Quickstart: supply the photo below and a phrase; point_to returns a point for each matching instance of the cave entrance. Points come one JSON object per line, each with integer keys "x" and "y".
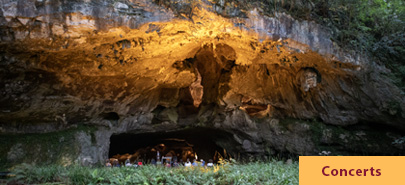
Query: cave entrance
{"x": 206, "y": 143}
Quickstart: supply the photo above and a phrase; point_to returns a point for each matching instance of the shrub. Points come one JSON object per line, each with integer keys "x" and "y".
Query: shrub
{"x": 272, "y": 172}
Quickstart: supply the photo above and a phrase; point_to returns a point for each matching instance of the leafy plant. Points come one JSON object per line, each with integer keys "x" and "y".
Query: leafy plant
{"x": 270, "y": 172}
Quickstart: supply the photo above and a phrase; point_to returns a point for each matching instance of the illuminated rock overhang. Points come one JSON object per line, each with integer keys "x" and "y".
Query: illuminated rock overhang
{"x": 265, "y": 66}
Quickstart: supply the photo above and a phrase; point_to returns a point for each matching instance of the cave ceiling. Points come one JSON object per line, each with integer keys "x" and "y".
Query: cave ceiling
{"x": 80, "y": 64}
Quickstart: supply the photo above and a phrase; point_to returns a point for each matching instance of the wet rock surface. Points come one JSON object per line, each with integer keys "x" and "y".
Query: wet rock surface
{"x": 140, "y": 66}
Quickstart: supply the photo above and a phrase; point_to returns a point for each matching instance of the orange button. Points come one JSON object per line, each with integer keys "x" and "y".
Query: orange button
{"x": 348, "y": 170}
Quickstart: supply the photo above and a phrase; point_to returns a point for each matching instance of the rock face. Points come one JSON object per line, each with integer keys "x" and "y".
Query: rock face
{"x": 138, "y": 66}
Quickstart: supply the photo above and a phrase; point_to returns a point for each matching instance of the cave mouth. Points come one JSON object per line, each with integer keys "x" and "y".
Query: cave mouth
{"x": 206, "y": 143}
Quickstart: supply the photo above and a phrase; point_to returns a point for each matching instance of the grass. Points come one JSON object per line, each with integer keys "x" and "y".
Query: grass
{"x": 273, "y": 172}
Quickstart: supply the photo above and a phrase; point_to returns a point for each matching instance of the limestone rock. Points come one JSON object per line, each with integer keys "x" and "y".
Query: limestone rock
{"x": 154, "y": 66}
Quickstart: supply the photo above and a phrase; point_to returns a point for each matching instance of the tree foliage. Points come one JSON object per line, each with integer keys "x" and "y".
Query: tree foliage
{"x": 372, "y": 27}
{"x": 375, "y": 27}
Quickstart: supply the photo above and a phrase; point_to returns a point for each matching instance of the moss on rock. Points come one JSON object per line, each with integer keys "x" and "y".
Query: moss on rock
{"x": 48, "y": 148}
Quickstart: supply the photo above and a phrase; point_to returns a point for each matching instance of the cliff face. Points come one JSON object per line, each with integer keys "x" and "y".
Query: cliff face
{"x": 139, "y": 66}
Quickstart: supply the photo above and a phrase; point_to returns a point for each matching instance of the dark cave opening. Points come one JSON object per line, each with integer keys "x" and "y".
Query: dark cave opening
{"x": 112, "y": 116}
{"x": 206, "y": 143}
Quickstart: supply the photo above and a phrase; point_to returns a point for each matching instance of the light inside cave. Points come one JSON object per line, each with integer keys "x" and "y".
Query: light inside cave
{"x": 193, "y": 143}
{"x": 154, "y": 83}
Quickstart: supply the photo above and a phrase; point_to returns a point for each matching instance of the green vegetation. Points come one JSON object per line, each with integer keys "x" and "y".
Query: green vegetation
{"x": 375, "y": 28}
{"x": 273, "y": 172}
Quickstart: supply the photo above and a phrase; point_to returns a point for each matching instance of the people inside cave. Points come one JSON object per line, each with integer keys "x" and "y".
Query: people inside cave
{"x": 195, "y": 162}
{"x": 210, "y": 163}
{"x": 158, "y": 163}
{"x": 167, "y": 161}
{"x": 116, "y": 163}
{"x": 140, "y": 162}
{"x": 175, "y": 163}
{"x": 188, "y": 163}
{"x": 108, "y": 163}
{"x": 128, "y": 162}
{"x": 202, "y": 162}
{"x": 181, "y": 163}
{"x": 174, "y": 153}
{"x": 174, "y": 159}
{"x": 153, "y": 162}
{"x": 168, "y": 164}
